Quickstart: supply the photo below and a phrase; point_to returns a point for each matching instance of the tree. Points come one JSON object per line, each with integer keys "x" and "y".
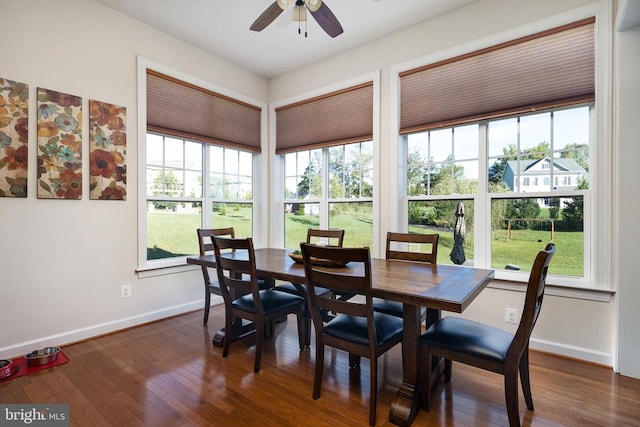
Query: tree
{"x": 447, "y": 179}
{"x": 167, "y": 184}
{"x": 496, "y": 171}
{"x": 415, "y": 174}
{"x": 540, "y": 151}
{"x": 573, "y": 212}
{"x": 577, "y": 152}
{"x": 310, "y": 182}
{"x": 522, "y": 208}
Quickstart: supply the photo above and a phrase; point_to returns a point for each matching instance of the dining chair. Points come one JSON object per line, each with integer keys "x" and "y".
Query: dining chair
{"x": 356, "y": 328}
{"x": 490, "y": 348}
{"x": 322, "y": 237}
{"x": 205, "y": 243}
{"x": 236, "y": 267}
{"x": 325, "y": 237}
{"x": 314, "y": 236}
{"x": 427, "y": 251}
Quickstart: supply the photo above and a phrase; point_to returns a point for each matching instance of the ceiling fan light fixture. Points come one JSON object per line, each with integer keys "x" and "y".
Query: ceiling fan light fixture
{"x": 284, "y": 4}
{"x": 299, "y": 13}
{"x": 313, "y": 5}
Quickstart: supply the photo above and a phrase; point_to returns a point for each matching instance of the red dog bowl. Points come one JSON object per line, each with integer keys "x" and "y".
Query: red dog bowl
{"x": 7, "y": 368}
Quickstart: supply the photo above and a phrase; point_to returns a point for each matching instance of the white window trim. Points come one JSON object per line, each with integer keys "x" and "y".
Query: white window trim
{"x": 151, "y": 268}
{"x": 599, "y": 229}
{"x": 277, "y": 200}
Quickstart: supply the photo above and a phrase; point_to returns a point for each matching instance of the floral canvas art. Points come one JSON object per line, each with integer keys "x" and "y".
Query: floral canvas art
{"x": 59, "y": 145}
{"x": 108, "y": 151}
{"x": 14, "y": 133}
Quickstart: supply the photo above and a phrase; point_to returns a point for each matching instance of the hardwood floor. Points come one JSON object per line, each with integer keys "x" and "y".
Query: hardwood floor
{"x": 168, "y": 374}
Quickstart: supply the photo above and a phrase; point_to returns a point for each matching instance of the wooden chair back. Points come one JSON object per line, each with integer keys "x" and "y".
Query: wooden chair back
{"x": 205, "y": 244}
{"x": 328, "y": 237}
{"x": 354, "y": 280}
{"x": 205, "y": 235}
{"x": 236, "y": 268}
{"x": 532, "y": 301}
{"x": 428, "y": 247}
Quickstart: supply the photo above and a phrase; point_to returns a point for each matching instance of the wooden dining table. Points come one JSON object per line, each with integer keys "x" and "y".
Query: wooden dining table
{"x": 415, "y": 285}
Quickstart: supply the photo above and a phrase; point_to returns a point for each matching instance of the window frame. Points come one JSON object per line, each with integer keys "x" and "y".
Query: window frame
{"x": 598, "y": 200}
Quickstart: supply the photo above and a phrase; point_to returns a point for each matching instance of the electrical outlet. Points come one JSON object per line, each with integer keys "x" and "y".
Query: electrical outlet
{"x": 125, "y": 291}
{"x": 511, "y": 315}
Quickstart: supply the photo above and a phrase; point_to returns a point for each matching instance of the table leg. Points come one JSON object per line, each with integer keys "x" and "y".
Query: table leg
{"x": 242, "y": 328}
{"x": 406, "y": 405}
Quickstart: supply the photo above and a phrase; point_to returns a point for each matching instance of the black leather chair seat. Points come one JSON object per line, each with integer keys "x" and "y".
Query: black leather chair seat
{"x": 469, "y": 337}
{"x": 393, "y": 308}
{"x": 271, "y": 301}
{"x": 354, "y": 329}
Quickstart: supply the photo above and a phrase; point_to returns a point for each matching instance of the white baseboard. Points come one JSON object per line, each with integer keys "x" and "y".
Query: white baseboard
{"x": 573, "y": 352}
{"x": 22, "y": 348}
{"x": 68, "y": 337}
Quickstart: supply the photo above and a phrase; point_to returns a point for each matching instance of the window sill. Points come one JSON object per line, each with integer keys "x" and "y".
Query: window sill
{"x": 575, "y": 292}
{"x": 165, "y": 267}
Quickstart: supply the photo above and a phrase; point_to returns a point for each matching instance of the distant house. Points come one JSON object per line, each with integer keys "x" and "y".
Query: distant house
{"x": 543, "y": 175}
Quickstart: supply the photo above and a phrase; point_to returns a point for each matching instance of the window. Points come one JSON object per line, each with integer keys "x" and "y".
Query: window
{"x": 176, "y": 176}
{"x": 330, "y": 187}
{"x": 327, "y": 163}
{"x": 544, "y": 144}
{"x": 533, "y": 102}
{"x": 199, "y": 155}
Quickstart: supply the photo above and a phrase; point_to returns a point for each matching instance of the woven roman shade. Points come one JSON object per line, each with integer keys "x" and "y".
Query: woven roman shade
{"x": 335, "y": 118}
{"x": 184, "y": 110}
{"x": 544, "y": 70}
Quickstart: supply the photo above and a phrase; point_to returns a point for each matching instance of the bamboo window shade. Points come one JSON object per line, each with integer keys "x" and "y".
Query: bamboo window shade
{"x": 336, "y": 118}
{"x": 549, "y": 69}
{"x": 184, "y": 110}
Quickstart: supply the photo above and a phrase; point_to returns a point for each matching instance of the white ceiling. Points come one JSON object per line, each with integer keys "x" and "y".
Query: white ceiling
{"x": 221, "y": 27}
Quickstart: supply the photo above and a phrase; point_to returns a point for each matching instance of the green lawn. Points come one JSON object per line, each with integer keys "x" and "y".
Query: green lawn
{"x": 171, "y": 234}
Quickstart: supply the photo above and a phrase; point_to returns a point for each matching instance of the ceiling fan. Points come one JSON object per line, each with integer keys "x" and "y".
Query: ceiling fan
{"x": 319, "y": 10}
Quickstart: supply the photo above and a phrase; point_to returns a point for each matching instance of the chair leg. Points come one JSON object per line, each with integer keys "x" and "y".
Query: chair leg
{"x": 354, "y": 361}
{"x": 303, "y": 330}
{"x": 207, "y": 304}
{"x": 373, "y": 389}
{"x": 229, "y": 331}
{"x": 524, "y": 379}
{"x": 448, "y": 368}
{"x": 426, "y": 377}
{"x": 260, "y": 330}
{"x": 511, "y": 396}
{"x": 317, "y": 379}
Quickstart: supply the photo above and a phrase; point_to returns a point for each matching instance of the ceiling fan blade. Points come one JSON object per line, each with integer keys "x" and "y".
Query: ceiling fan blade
{"x": 267, "y": 17}
{"x": 327, "y": 20}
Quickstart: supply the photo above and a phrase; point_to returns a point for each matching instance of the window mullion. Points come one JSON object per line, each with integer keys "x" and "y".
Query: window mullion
{"x": 207, "y": 205}
{"x": 324, "y": 199}
{"x": 482, "y": 199}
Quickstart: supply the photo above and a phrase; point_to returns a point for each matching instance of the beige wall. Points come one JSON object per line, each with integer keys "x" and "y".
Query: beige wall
{"x": 63, "y": 261}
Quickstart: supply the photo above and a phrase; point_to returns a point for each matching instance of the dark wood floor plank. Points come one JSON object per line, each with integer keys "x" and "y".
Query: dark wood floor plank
{"x": 168, "y": 374}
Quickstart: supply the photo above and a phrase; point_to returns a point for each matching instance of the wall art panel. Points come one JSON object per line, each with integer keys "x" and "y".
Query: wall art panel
{"x": 107, "y": 151}
{"x": 14, "y": 137}
{"x": 59, "y": 145}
